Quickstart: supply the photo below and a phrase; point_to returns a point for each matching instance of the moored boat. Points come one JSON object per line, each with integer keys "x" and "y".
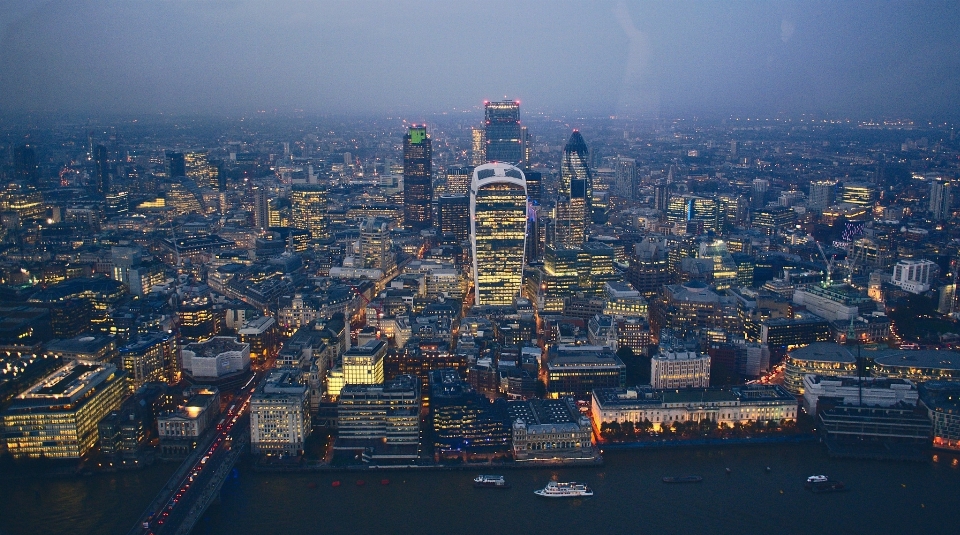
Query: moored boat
{"x": 494, "y": 482}
{"x": 571, "y": 489}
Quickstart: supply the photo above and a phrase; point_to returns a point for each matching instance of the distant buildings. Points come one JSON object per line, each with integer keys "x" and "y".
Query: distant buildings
{"x": 502, "y": 132}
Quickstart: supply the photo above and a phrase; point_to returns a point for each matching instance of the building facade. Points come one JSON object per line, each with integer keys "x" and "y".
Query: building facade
{"x": 279, "y": 414}
{"x": 498, "y": 212}
{"x": 417, "y": 178}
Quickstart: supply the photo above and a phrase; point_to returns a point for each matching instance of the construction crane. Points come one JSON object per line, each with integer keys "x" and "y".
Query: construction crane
{"x": 828, "y": 261}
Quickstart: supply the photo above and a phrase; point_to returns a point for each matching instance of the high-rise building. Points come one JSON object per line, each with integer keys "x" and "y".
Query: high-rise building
{"x": 308, "y": 208}
{"x": 861, "y": 193}
{"x": 261, "y": 209}
{"x": 478, "y": 146}
{"x": 453, "y": 215}
{"x": 458, "y": 180}
{"x": 26, "y": 169}
{"x": 417, "y": 179}
{"x": 822, "y": 193}
{"x": 101, "y": 170}
{"x": 534, "y": 185}
{"x": 498, "y": 214}
{"x": 376, "y": 246}
{"x": 502, "y": 132}
{"x": 626, "y": 178}
{"x": 661, "y": 197}
{"x": 526, "y": 147}
{"x": 177, "y": 164}
{"x": 758, "y": 197}
{"x": 941, "y": 199}
{"x": 576, "y": 191}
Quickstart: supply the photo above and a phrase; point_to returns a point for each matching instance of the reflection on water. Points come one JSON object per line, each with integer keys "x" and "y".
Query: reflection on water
{"x": 629, "y": 498}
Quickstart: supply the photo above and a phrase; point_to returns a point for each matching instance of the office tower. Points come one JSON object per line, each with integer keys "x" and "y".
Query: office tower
{"x": 26, "y": 170}
{"x": 57, "y": 417}
{"x": 375, "y": 245}
{"x": 453, "y": 216}
{"x": 498, "y": 213}
{"x": 534, "y": 185}
{"x": 383, "y": 420}
{"x": 661, "y": 197}
{"x": 576, "y": 190}
{"x": 733, "y": 149}
{"x": 478, "y": 152}
{"x": 279, "y": 414}
{"x": 626, "y": 178}
{"x": 176, "y": 164}
{"x": 526, "y": 147}
{"x": 417, "y": 179}
{"x": 261, "y": 209}
{"x": 197, "y": 168}
{"x": 101, "y": 170}
{"x": 458, "y": 180}
{"x": 821, "y": 194}
{"x": 363, "y": 365}
{"x": 308, "y": 208}
{"x": 502, "y": 132}
{"x": 758, "y": 198}
{"x": 941, "y": 199}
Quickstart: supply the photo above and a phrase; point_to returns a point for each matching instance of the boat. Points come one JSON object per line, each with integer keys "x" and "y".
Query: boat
{"x": 493, "y": 482}
{"x": 683, "y": 479}
{"x": 571, "y": 489}
{"x": 816, "y": 480}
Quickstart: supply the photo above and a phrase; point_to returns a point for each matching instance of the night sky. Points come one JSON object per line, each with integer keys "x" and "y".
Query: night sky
{"x": 631, "y": 59}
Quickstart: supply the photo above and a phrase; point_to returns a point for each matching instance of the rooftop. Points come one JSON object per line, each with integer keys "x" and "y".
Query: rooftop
{"x": 823, "y": 352}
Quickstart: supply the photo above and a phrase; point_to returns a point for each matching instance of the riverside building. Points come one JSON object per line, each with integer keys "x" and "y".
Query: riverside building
{"x": 58, "y": 416}
{"x": 279, "y": 414}
{"x": 381, "y": 420}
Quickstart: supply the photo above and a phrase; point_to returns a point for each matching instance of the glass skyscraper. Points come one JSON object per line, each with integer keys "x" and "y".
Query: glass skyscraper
{"x": 498, "y": 232}
{"x": 417, "y": 179}
{"x": 502, "y": 132}
{"x": 576, "y": 189}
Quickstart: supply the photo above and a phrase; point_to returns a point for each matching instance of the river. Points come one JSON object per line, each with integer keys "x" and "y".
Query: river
{"x": 629, "y": 498}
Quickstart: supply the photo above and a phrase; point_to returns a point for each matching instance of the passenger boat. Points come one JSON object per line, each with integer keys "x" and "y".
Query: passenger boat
{"x": 555, "y": 489}
{"x": 493, "y": 482}
{"x": 816, "y": 480}
{"x": 683, "y": 479}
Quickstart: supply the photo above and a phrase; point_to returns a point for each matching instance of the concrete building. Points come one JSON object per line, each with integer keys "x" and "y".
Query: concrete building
{"x": 279, "y": 414}
{"x": 58, "y": 416}
{"x": 673, "y": 368}
{"x": 722, "y": 406}
{"x": 914, "y": 275}
{"x": 869, "y": 391}
{"x": 834, "y": 303}
{"x": 216, "y": 358}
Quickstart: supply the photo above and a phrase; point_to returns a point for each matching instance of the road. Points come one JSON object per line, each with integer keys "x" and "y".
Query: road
{"x": 201, "y": 473}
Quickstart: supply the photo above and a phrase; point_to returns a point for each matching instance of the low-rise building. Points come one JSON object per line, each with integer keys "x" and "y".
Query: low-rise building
{"x": 216, "y": 358}
{"x": 88, "y": 346}
{"x": 549, "y": 429}
{"x": 722, "y": 406}
{"x": 867, "y": 391}
{"x": 576, "y": 370}
{"x": 152, "y": 357}
{"x": 673, "y": 368}
{"x": 181, "y": 429}
{"x": 821, "y": 358}
{"x": 918, "y": 366}
{"x": 279, "y": 414}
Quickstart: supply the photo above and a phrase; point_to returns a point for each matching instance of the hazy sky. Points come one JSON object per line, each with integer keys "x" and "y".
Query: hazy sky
{"x": 858, "y": 59}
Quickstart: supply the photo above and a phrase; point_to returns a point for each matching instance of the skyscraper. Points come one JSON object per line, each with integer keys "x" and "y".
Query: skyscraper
{"x": 458, "y": 180}
{"x": 576, "y": 190}
{"x": 308, "y": 208}
{"x": 101, "y": 170}
{"x": 498, "y": 214}
{"x": 941, "y": 199}
{"x": 177, "y": 164}
{"x": 502, "y": 131}
{"x": 261, "y": 208}
{"x": 478, "y": 147}
{"x": 453, "y": 216}
{"x": 417, "y": 179}
{"x": 25, "y": 167}
{"x": 822, "y": 193}
{"x": 626, "y": 177}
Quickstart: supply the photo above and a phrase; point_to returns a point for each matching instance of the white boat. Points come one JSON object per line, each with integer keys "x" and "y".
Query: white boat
{"x": 497, "y": 482}
{"x": 817, "y": 479}
{"x": 555, "y": 489}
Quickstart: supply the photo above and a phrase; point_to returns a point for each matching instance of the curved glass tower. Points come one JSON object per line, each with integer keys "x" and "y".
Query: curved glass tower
{"x": 498, "y": 232}
{"x": 576, "y": 192}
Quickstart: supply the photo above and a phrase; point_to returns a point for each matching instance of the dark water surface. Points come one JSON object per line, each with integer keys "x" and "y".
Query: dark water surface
{"x": 629, "y": 498}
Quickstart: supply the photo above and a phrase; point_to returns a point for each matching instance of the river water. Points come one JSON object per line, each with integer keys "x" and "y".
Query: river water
{"x": 629, "y": 498}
